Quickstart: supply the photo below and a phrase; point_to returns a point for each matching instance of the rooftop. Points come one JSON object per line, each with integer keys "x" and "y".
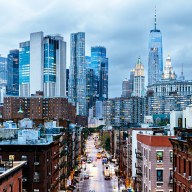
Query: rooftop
{"x": 7, "y": 167}
{"x": 155, "y": 140}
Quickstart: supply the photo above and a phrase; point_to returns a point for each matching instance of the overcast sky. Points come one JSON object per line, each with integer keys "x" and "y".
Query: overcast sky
{"x": 122, "y": 26}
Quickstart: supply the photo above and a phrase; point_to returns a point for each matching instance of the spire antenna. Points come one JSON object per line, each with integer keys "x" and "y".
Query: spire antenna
{"x": 155, "y": 23}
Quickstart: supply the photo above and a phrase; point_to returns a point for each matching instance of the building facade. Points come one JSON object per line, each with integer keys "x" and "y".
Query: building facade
{"x": 38, "y": 108}
{"x": 154, "y": 166}
{"x": 122, "y": 111}
{"x": 13, "y": 75}
{"x": 182, "y": 160}
{"x": 42, "y": 65}
{"x": 155, "y": 58}
{"x": 77, "y": 73}
{"x": 170, "y": 93}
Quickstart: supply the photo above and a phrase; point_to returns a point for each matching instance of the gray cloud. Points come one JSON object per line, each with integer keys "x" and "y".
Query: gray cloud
{"x": 122, "y": 26}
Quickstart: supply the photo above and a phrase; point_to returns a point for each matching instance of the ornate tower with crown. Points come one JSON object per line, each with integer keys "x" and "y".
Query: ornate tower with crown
{"x": 139, "y": 79}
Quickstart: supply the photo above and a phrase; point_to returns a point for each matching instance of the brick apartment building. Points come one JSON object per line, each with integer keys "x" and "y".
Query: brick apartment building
{"x": 182, "y": 160}
{"x": 51, "y": 153}
{"x": 154, "y": 165}
{"x": 11, "y": 175}
{"x": 39, "y": 173}
{"x": 38, "y": 108}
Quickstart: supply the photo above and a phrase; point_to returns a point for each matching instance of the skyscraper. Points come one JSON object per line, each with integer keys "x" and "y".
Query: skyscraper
{"x": 99, "y": 63}
{"x": 42, "y": 65}
{"x": 3, "y": 71}
{"x": 155, "y": 58}
{"x": 67, "y": 81}
{"x": 125, "y": 88}
{"x": 77, "y": 73}
{"x": 13, "y": 75}
{"x": 139, "y": 79}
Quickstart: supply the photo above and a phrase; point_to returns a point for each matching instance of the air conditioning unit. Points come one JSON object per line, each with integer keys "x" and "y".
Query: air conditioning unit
{"x": 49, "y": 173}
{"x": 24, "y": 179}
{"x": 190, "y": 178}
{"x": 175, "y": 169}
{"x": 36, "y": 163}
{"x": 184, "y": 174}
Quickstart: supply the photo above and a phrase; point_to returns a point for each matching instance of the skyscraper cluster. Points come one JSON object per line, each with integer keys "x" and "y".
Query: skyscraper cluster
{"x": 88, "y": 75}
{"x": 40, "y": 65}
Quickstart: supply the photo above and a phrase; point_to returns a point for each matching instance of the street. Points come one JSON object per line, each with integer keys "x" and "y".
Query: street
{"x": 96, "y": 181}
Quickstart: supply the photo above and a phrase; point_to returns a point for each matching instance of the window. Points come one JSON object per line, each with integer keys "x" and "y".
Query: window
{"x": 184, "y": 162}
{"x": 159, "y": 175}
{"x": 159, "y": 156}
{"x": 36, "y": 159}
{"x": 171, "y": 156}
{"x": 190, "y": 168}
{"x": 24, "y": 158}
{"x": 171, "y": 176}
{"x": 149, "y": 174}
{"x": 36, "y": 177}
{"x": 11, "y": 157}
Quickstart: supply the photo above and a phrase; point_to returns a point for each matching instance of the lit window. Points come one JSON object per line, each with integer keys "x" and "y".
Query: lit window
{"x": 159, "y": 156}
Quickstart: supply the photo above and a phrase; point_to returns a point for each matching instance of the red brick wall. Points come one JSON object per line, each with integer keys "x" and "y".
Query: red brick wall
{"x": 14, "y": 181}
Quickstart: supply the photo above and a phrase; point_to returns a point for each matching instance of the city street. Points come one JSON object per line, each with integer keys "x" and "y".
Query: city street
{"x": 96, "y": 181}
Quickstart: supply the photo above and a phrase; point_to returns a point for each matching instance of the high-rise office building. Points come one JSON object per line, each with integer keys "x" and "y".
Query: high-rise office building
{"x": 91, "y": 86}
{"x": 139, "y": 79}
{"x": 155, "y": 58}
{"x": 13, "y": 75}
{"x": 77, "y": 73}
{"x": 125, "y": 88}
{"x": 3, "y": 71}
{"x": 99, "y": 63}
{"x": 131, "y": 81}
{"x": 67, "y": 81}
{"x": 42, "y": 65}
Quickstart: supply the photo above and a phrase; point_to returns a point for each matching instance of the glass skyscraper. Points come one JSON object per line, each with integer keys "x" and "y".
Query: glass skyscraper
{"x": 13, "y": 75}
{"x": 24, "y": 68}
{"x": 42, "y": 65}
{"x": 155, "y": 59}
{"x": 3, "y": 71}
{"x": 99, "y": 63}
{"x": 77, "y": 73}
